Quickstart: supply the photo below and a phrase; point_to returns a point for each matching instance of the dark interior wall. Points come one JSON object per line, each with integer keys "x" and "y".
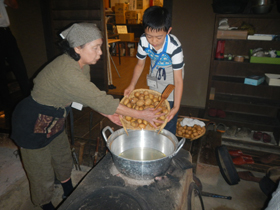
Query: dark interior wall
{"x": 193, "y": 24}
{"x": 26, "y": 26}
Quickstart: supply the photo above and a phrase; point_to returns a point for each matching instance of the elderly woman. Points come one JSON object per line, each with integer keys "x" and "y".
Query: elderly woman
{"x": 38, "y": 120}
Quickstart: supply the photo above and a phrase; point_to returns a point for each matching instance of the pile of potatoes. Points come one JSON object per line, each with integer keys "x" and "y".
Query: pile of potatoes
{"x": 141, "y": 100}
{"x": 189, "y": 132}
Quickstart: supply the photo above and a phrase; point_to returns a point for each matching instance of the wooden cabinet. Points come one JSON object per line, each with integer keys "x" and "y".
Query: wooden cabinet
{"x": 60, "y": 14}
{"x": 254, "y": 107}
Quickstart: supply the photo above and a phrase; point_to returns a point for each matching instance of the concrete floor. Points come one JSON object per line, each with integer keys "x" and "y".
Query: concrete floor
{"x": 14, "y": 191}
{"x": 245, "y": 195}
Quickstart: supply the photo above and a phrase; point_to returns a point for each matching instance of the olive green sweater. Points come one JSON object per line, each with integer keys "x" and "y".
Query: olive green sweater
{"x": 63, "y": 81}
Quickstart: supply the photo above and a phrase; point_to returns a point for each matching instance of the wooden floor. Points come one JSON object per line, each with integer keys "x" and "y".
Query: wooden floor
{"x": 125, "y": 70}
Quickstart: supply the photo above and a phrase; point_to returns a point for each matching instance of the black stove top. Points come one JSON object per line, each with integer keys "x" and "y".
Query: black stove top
{"x": 104, "y": 188}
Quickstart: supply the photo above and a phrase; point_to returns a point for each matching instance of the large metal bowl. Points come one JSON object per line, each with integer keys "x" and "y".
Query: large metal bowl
{"x": 165, "y": 142}
{"x": 261, "y": 6}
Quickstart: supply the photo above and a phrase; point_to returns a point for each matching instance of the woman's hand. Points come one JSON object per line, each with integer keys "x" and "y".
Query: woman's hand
{"x": 150, "y": 115}
{"x": 115, "y": 119}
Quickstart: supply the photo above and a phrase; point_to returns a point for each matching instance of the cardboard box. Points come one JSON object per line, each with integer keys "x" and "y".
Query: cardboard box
{"x": 121, "y": 8}
{"x": 142, "y": 4}
{"x": 133, "y": 21}
{"x": 232, "y": 34}
{"x": 132, "y": 5}
{"x": 267, "y": 60}
{"x": 120, "y": 19}
{"x": 131, "y": 15}
{"x": 254, "y": 80}
{"x": 273, "y": 79}
{"x": 122, "y": 29}
{"x": 127, "y": 37}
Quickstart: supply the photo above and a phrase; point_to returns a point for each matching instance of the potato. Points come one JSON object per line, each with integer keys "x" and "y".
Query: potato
{"x": 162, "y": 118}
{"x": 155, "y": 99}
{"x": 158, "y": 124}
{"x": 141, "y": 96}
{"x": 148, "y": 101}
{"x": 139, "y": 121}
{"x": 151, "y": 96}
{"x": 134, "y": 124}
{"x": 134, "y": 100}
{"x": 145, "y": 122}
{"x": 165, "y": 111}
{"x": 179, "y": 133}
{"x": 126, "y": 101}
{"x": 140, "y": 102}
{"x": 142, "y": 126}
{"x": 129, "y": 105}
{"x": 136, "y": 94}
{"x": 146, "y": 97}
{"x": 128, "y": 118}
{"x": 146, "y": 93}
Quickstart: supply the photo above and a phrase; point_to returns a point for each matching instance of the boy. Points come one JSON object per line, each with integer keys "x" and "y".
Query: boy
{"x": 166, "y": 56}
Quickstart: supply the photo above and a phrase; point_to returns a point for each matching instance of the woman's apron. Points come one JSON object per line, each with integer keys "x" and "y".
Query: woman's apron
{"x": 35, "y": 125}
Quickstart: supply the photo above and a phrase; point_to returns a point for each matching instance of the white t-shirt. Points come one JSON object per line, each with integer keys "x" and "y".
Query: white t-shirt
{"x": 4, "y": 18}
{"x": 172, "y": 61}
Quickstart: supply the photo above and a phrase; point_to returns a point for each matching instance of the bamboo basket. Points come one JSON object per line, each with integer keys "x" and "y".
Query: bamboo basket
{"x": 126, "y": 124}
{"x": 194, "y": 138}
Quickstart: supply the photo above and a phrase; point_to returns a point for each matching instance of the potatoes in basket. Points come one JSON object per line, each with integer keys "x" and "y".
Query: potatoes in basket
{"x": 143, "y": 99}
{"x": 189, "y": 132}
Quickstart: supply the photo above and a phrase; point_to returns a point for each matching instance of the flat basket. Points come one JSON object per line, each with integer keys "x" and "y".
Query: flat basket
{"x": 126, "y": 124}
{"x": 194, "y": 138}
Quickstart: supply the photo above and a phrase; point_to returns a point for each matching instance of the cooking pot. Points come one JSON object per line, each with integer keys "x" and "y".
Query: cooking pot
{"x": 119, "y": 142}
{"x": 261, "y": 6}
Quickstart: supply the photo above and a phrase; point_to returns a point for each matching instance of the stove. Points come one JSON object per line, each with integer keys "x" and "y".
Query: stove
{"x": 105, "y": 188}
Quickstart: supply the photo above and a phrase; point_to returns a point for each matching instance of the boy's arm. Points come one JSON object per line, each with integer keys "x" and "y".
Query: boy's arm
{"x": 138, "y": 69}
{"x": 178, "y": 81}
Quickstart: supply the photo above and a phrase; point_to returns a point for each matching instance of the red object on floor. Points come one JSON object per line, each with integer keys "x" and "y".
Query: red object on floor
{"x": 235, "y": 153}
{"x": 239, "y": 153}
{"x": 241, "y": 161}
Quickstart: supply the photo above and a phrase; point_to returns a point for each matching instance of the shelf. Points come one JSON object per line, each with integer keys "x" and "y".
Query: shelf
{"x": 254, "y": 122}
{"x": 239, "y": 99}
{"x": 255, "y": 107}
{"x": 249, "y": 40}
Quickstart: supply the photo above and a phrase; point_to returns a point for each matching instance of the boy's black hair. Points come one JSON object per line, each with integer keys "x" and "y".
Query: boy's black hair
{"x": 157, "y": 18}
{"x": 64, "y": 46}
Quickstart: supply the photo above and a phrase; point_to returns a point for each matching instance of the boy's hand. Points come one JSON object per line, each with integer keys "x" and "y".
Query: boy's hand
{"x": 171, "y": 114}
{"x": 128, "y": 90}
